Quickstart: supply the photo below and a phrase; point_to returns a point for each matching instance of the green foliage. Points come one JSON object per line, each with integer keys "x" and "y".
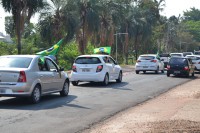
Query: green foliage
{"x": 7, "y": 49}
{"x": 67, "y": 55}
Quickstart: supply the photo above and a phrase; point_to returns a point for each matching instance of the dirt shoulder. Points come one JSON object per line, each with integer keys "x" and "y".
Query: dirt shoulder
{"x": 178, "y": 110}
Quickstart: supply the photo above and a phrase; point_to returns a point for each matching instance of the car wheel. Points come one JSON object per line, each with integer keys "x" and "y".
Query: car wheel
{"x": 106, "y": 80}
{"x": 193, "y": 74}
{"x": 119, "y": 80}
{"x": 65, "y": 89}
{"x": 75, "y": 83}
{"x": 36, "y": 94}
{"x": 168, "y": 74}
{"x": 144, "y": 71}
{"x": 156, "y": 71}
{"x": 162, "y": 71}
{"x": 137, "y": 72}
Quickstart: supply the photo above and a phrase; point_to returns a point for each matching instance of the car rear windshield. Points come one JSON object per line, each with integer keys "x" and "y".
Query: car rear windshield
{"x": 146, "y": 57}
{"x": 178, "y": 61}
{"x": 187, "y": 53}
{"x": 164, "y": 55}
{"x": 175, "y": 55}
{"x": 197, "y": 52}
{"x": 87, "y": 60}
{"x": 15, "y": 62}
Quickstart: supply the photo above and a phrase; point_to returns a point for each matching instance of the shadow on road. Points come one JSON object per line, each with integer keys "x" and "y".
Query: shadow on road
{"x": 111, "y": 85}
{"x": 47, "y": 102}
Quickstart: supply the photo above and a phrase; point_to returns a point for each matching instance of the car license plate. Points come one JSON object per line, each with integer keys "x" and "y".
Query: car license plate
{"x": 145, "y": 66}
{"x": 176, "y": 72}
{"x": 85, "y": 70}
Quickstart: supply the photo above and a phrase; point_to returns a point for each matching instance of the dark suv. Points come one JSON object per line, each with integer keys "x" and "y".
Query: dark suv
{"x": 180, "y": 66}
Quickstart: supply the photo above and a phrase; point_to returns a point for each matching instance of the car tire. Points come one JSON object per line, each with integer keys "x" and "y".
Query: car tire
{"x": 156, "y": 71}
{"x": 137, "y": 72}
{"x": 193, "y": 74}
{"x": 168, "y": 74}
{"x": 119, "y": 80}
{"x": 144, "y": 71}
{"x": 162, "y": 71}
{"x": 65, "y": 89}
{"x": 75, "y": 83}
{"x": 36, "y": 94}
{"x": 106, "y": 80}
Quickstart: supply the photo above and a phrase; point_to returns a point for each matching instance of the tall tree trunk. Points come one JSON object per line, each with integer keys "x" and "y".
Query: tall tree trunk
{"x": 18, "y": 31}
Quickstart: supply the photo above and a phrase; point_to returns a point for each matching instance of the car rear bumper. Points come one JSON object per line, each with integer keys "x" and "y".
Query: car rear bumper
{"x": 178, "y": 72}
{"x": 97, "y": 77}
{"x": 15, "y": 90}
{"x": 144, "y": 68}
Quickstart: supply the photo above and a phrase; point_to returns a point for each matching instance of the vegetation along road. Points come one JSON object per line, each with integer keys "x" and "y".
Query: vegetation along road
{"x": 87, "y": 104}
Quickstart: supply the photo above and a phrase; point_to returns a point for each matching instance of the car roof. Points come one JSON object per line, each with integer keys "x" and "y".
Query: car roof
{"x": 179, "y": 57}
{"x": 31, "y": 56}
{"x": 148, "y": 55}
{"x": 176, "y": 53}
{"x": 93, "y": 55}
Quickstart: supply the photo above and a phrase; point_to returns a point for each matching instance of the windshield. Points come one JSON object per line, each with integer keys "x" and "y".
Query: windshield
{"x": 172, "y": 55}
{"x": 178, "y": 61}
{"x": 15, "y": 62}
{"x": 146, "y": 57}
{"x": 87, "y": 60}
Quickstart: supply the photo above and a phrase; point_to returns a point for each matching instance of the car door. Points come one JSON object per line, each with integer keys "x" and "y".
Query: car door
{"x": 109, "y": 66}
{"x": 54, "y": 75}
{"x": 116, "y": 68}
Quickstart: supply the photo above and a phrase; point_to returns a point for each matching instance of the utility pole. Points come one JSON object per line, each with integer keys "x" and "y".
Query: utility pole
{"x": 116, "y": 42}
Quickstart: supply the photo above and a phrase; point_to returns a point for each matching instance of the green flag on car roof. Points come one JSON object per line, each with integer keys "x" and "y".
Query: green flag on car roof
{"x": 102, "y": 50}
{"x": 51, "y": 51}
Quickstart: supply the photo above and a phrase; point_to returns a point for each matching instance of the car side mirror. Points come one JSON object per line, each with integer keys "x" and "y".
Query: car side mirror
{"x": 61, "y": 69}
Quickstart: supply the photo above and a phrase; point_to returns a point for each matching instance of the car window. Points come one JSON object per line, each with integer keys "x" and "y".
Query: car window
{"x": 52, "y": 66}
{"x": 146, "y": 57}
{"x": 178, "y": 61}
{"x": 87, "y": 60}
{"x": 187, "y": 53}
{"x": 164, "y": 55}
{"x": 111, "y": 60}
{"x": 106, "y": 59}
{"x": 172, "y": 55}
{"x": 15, "y": 62}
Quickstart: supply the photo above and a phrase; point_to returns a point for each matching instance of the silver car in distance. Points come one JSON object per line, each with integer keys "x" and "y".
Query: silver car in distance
{"x": 31, "y": 76}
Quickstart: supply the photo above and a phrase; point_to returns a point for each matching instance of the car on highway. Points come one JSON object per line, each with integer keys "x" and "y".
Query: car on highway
{"x": 149, "y": 62}
{"x": 164, "y": 57}
{"x": 187, "y": 53}
{"x": 195, "y": 60}
{"x": 176, "y": 55}
{"x": 180, "y": 66}
{"x": 31, "y": 76}
{"x": 95, "y": 68}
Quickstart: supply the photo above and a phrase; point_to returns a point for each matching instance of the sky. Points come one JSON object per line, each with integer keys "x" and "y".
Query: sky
{"x": 172, "y": 7}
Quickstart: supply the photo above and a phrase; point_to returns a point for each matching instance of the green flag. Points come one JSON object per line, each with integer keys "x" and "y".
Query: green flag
{"x": 102, "y": 50}
{"x": 51, "y": 51}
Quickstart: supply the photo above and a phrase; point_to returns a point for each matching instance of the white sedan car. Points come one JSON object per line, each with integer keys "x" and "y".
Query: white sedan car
{"x": 95, "y": 68}
{"x": 195, "y": 60}
{"x": 149, "y": 62}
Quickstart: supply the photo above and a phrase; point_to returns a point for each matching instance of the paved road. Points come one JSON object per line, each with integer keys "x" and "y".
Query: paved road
{"x": 86, "y": 104}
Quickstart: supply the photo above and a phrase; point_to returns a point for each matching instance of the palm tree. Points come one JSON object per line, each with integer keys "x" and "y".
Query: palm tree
{"x": 22, "y": 11}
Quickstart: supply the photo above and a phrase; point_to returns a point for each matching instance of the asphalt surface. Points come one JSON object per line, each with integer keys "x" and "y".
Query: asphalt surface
{"x": 87, "y": 104}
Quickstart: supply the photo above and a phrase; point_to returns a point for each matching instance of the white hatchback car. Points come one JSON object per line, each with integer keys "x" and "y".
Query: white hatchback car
{"x": 195, "y": 60}
{"x": 149, "y": 62}
{"x": 95, "y": 68}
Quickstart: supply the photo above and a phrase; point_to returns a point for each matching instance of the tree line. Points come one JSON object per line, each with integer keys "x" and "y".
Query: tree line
{"x": 132, "y": 26}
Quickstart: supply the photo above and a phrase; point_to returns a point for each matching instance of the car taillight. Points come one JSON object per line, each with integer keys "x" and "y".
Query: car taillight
{"x": 186, "y": 68}
{"x": 168, "y": 67}
{"x": 99, "y": 68}
{"x": 74, "y": 69}
{"x": 154, "y": 61}
{"x": 22, "y": 76}
{"x": 138, "y": 60}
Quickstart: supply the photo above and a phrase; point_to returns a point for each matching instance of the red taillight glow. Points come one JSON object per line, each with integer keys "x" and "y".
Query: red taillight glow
{"x": 154, "y": 61}
{"x": 168, "y": 67}
{"x": 99, "y": 68}
{"x": 74, "y": 69}
{"x": 186, "y": 68}
{"x": 138, "y": 60}
{"x": 22, "y": 76}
